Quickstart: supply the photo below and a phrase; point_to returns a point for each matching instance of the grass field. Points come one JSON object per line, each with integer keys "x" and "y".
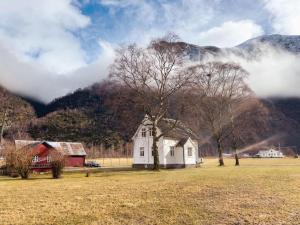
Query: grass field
{"x": 260, "y": 191}
{"x": 113, "y": 162}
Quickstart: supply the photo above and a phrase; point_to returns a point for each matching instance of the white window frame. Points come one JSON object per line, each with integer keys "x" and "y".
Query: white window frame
{"x": 35, "y": 159}
{"x": 172, "y": 151}
{"x": 190, "y": 151}
{"x": 150, "y": 132}
{"x": 142, "y": 152}
{"x": 144, "y": 132}
{"x": 48, "y": 158}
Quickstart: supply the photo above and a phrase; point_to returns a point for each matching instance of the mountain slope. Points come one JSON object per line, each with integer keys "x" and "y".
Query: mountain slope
{"x": 16, "y": 114}
{"x": 249, "y": 49}
{"x": 290, "y": 43}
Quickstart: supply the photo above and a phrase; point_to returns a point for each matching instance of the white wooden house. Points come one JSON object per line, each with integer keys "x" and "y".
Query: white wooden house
{"x": 271, "y": 153}
{"x": 178, "y": 148}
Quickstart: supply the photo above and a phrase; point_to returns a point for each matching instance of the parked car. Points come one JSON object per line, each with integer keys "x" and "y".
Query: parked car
{"x": 92, "y": 164}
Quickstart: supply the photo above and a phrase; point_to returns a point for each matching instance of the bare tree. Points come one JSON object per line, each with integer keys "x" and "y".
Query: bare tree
{"x": 3, "y": 113}
{"x": 19, "y": 160}
{"x": 220, "y": 88}
{"x": 155, "y": 74}
{"x": 57, "y": 161}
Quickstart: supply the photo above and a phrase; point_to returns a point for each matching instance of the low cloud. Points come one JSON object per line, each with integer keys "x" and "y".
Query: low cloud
{"x": 44, "y": 33}
{"x": 33, "y": 80}
{"x": 40, "y": 54}
{"x": 285, "y": 15}
{"x": 274, "y": 72}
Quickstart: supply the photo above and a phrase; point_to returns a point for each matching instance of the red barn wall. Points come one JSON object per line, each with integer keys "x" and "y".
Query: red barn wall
{"x": 75, "y": 161}
{"x": 43, "y": 151}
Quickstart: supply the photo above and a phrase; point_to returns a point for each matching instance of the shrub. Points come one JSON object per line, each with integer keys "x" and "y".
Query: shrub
{"x": 18, "y": 161}
{"x": 57, "y": 163}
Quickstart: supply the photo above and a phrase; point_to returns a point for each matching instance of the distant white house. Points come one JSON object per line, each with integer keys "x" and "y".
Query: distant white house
{"x": 271, "y": 153}
{"x": 177, "y": 149}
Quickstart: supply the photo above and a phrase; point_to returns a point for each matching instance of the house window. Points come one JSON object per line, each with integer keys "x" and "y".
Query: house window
{"x": 144, "y": 132}
{"x": 150, "y": 132}
{"x": 48, "y": 159}
{"x": 190, "y": 152}
{"x": 35, "y": 159}
{"x": 172, "y": 150}
{"x": 142, "y": 151}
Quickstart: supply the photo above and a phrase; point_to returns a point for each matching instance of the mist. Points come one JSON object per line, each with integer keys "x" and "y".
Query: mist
{"x": 30, "y": 79}
{"x": 273, "y": 72}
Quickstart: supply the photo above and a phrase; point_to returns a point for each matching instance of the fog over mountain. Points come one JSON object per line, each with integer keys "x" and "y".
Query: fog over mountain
{"x": 28, "y": 78}
{"x": 272, "y": 62}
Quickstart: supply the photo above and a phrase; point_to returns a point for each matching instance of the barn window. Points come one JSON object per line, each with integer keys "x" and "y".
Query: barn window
{"x": 190, "y": 152}
{"x": 172, "y": 150}
{"x": 142, "y": 151}
{"x": 144, "y": 132}
{"x": 35, "y": 159}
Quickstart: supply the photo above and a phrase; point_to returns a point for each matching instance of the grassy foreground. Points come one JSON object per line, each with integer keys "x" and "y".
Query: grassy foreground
{"x": 258, "y": 192}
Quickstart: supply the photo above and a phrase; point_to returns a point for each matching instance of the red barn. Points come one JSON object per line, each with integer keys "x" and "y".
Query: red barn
{"x": 74, "y": 153}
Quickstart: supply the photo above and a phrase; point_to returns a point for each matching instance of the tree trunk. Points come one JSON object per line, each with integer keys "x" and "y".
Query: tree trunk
{"x": 237, "y": 161}
{"x": 2, "y": 126}
{"x": 234, "y": 146}
{"x": 155, "y": 148}
{"x": 220, "y": 151}
{"x": 234, "y": 140}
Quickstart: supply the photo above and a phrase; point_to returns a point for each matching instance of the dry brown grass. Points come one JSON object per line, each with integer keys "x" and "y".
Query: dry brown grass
{"x": 258, "y": 192}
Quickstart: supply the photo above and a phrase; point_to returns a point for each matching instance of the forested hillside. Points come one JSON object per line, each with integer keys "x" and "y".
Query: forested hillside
{"x": 15, "y": 115}
{"x": 105, "y": 113}
{"x": 101, "y": 114}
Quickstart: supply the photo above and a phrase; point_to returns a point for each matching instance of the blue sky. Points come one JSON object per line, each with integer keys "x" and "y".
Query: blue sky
{"x": 118, "y": 22}
{"x": 195, "y": 21}
{"x": 69, "y": 44}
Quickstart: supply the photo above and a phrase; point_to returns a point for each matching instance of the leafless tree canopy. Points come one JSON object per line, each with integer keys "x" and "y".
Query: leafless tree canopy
{"x": 220, "y": 89}
{"x": 155, "y": 73}
{"x": 19, "y": 161}
{"x": 57, "y": 161}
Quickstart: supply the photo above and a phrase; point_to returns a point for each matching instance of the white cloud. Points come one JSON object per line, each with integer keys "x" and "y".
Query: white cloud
{"x": 41, "y": 57}
{"x": 230, "y": 33}
{"x": 163, "y": 16}
{"x": 192, "y": 20}
{"x": 274, "y": 73}
{"x": 285, "y": 15}
{"x": 33, "y": 80}
{"x": 42, "y": 32}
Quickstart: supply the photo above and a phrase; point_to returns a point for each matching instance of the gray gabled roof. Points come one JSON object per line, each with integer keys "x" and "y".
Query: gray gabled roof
{"x": 176, "y": 129}
{"x": 67, "y": 148}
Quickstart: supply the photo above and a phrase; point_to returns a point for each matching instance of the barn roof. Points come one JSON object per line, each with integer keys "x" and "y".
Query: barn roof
{"x": 67, "y": 148}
